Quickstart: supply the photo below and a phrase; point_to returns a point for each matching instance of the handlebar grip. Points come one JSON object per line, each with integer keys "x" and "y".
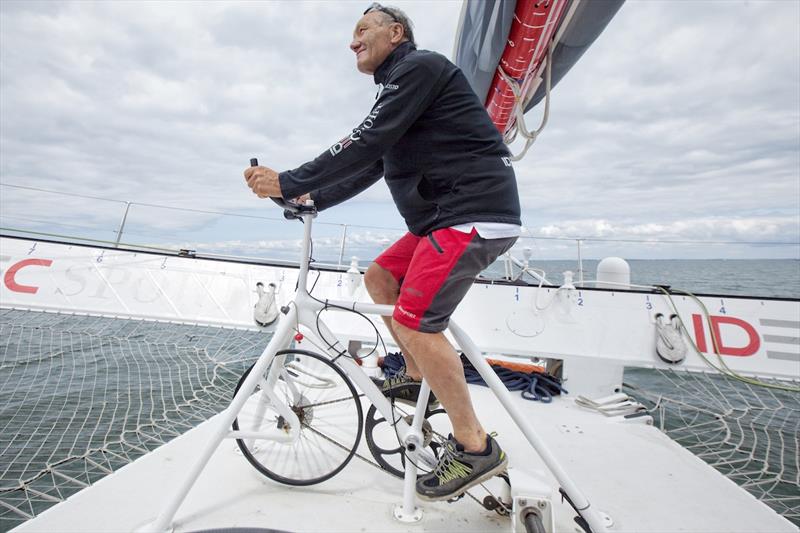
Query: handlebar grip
{"x": 291, "y": 210}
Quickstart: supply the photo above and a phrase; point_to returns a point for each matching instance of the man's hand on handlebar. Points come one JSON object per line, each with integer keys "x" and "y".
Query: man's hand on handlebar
{"x": 263, "y": 181}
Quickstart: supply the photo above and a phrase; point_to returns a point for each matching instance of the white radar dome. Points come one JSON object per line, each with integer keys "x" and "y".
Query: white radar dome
{"x": 613, "y": 273}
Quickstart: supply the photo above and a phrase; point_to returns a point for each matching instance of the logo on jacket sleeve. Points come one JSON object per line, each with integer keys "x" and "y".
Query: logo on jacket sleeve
{"x": 368, "y": 123}
{"x": 387, "y": 87}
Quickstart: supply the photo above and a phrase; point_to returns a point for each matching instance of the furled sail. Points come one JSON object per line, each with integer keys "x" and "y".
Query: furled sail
{"x": 502, "y": 46}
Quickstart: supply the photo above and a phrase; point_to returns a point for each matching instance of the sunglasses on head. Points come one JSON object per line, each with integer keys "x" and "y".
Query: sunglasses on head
{"x": 375, "y": 6}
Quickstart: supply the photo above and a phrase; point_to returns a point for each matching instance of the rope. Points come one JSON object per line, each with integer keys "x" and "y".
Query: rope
{"x": 723, "y": 367}
{"x": 520, "y": 101}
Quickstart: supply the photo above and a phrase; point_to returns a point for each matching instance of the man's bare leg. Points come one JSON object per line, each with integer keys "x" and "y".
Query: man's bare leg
{"x": 442, "y": 368}
{"x": 384, "y": 290}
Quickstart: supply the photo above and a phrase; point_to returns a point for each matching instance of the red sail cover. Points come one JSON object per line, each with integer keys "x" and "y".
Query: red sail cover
{"x": 535, "y": 23}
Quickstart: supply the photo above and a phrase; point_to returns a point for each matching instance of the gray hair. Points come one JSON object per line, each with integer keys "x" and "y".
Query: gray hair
{"x": 391, "y": 15}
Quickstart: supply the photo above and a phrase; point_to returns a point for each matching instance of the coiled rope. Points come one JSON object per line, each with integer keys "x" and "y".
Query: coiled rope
{"x": 535, "y": 386}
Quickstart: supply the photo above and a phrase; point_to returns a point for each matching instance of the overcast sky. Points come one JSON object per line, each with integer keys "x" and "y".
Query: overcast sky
{"x": 682, "y": 122}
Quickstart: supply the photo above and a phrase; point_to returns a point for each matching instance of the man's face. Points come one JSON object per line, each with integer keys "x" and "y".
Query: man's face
{"x": 373, "y": 40}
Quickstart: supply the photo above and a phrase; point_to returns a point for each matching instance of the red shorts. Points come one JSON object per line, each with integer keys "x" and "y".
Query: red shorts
{"x": 435, "y": 272}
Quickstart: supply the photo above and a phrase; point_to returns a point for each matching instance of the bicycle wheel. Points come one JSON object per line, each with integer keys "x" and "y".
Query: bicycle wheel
{"x": 327, "y": 406}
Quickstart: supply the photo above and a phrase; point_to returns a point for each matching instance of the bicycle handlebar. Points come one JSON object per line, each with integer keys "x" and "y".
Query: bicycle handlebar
{"x": 291, "y": 210}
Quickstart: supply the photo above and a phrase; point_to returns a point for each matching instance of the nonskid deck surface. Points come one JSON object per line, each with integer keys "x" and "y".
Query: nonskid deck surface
{"x": 634, "y": 473}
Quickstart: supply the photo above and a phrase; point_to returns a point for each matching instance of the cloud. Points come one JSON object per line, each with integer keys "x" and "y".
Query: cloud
{"x": 682, "y": 120}
{"x": 699, "y": 120}
{"x": 767, "y": 229}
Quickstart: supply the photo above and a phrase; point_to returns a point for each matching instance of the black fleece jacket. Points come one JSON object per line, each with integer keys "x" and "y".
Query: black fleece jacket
{"x": 444, "y": 161}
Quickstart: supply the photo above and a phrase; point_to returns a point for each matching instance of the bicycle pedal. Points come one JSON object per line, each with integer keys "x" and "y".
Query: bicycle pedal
{"x": 454, "y": 499}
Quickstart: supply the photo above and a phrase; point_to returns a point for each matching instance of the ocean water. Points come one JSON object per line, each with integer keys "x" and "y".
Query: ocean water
{"x": 128, "y": 386}
{"x": 777, "y": 278}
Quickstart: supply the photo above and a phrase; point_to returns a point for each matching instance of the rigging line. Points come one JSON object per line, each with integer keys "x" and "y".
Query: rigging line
{"x": 188, "y": 209}
{"x": 143, "y": 204}
{"x": 203, "y": 211}
{"x": 27, "y": 187}
{"x": 45, "y": 234}
{"x": 85, "y": 227}
{"x": 63, "y": 224}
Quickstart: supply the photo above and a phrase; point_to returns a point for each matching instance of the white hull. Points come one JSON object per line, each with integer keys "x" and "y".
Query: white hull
{"x": 602, "y": 328}
{"x": 631, "y": 471}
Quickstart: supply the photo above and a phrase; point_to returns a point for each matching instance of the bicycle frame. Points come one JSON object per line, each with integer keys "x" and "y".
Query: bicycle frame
{"x": 303, "y": 311}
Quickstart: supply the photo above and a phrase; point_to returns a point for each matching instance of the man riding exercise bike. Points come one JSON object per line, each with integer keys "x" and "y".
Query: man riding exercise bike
{"x": 450, "y": 176}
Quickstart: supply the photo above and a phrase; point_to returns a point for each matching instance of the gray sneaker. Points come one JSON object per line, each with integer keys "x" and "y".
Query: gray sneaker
{"x": 459, "y": 470}
{"x": 403, "y": 389}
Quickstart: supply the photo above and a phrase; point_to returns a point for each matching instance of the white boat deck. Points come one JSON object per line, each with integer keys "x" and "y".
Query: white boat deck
{"x": 634, "y": 473}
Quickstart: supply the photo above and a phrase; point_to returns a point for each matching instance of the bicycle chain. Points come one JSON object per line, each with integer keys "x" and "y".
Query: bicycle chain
{"x": 329, "y": 402}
